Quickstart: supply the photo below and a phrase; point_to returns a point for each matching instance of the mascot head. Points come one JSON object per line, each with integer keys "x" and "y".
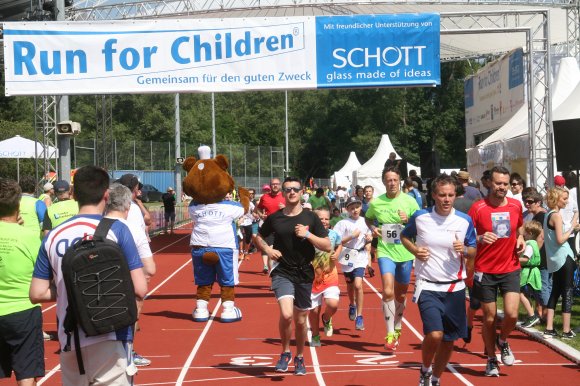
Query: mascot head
{"x": 207, "y": 180}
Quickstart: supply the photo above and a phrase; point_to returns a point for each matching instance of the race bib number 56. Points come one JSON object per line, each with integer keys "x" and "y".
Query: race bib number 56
{"x": 392, "y": 233}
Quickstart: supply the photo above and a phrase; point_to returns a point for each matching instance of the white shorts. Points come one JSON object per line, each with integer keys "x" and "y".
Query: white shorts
{"x": 329, "y": 293}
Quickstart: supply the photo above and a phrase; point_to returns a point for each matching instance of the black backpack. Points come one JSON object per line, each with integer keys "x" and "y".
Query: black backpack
{"x": 101, "y": 297}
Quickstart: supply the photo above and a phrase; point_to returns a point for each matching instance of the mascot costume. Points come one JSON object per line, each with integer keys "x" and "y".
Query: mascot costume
{"x": 214, "y": 242}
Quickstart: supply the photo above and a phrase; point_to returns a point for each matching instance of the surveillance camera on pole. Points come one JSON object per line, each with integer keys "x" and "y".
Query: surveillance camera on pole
{"x": 68, "y": 128}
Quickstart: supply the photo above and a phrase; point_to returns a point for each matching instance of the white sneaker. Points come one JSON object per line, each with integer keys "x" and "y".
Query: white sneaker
{"x": 230, "y": 313}
{"x": 201, "y": 313}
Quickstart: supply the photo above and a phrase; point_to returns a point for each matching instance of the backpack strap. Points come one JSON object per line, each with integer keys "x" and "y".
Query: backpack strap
{"x": 103, "y": 228}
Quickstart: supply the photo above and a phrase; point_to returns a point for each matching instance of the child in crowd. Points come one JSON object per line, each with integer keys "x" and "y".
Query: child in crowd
{"x": 530, "y": 278}
{"x": 325, "y": 284}
{"x": 355, "y": 257}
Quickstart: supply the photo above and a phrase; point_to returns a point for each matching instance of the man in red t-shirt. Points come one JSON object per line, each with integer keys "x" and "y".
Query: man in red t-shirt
{"x": 498, "y": 221}
{"x": 269, "y": 203}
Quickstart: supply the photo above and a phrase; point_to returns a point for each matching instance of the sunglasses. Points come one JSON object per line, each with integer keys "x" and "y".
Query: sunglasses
{"x": 515, "y": 184}
{"x": 292, "y": 189}
{"x": 529, "y": 202}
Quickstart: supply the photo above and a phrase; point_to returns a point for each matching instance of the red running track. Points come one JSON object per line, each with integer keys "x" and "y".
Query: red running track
{"x": 188, "y": 353}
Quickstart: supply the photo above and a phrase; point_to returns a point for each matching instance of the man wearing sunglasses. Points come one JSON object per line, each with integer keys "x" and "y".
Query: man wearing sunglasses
{"x": 296, "y": 235}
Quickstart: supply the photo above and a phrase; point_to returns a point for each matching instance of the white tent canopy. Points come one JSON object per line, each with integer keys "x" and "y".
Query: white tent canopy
{"x": 510, "y": 143}
{"x": 19, "y": 147}
{"x": 371, "y": 172}
{"x": 344, "y": 175}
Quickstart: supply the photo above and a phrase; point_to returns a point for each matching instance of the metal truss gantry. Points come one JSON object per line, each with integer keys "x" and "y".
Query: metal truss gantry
{"x": 534, "y": 23}
{"x": 45, "y": 134}
{"x": 104, "y": 139}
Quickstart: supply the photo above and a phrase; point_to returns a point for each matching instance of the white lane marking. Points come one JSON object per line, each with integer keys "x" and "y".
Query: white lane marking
{"x": 50, "y": 374}
{"x": 168, "y": 278}
{"x": 418, "y": 335}
{"x": 200, "y": 339}
{"x": 315, "y": 363}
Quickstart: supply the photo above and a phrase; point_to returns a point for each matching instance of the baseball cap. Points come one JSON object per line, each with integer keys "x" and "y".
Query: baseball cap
{"x": 353, "y": 200}
{"x": 559, "y": 181}
{"x": 61, "y": 186}
{"x": 463, "y": 175}
{"x": 266, "y": 187}
{"x": 170, "y": 189}
{"x": 46, "y": 187}
{"x": 130, "y": 181}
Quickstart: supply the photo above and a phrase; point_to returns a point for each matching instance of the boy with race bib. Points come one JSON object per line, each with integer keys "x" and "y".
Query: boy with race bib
{"x": 392, "y": 210}
{"x": 354, "y": 257}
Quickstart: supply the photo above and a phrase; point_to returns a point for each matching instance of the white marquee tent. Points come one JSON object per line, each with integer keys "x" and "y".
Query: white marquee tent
{"x": 509, "y": 145}
{"x": 370, "y": 172}
{"x": 343, "y": 177}
{"x": 19, "y": 147}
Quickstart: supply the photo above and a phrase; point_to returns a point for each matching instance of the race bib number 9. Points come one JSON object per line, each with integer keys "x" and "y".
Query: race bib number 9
{"x": 392, "y": 233}
{"x": 348, "y": 257}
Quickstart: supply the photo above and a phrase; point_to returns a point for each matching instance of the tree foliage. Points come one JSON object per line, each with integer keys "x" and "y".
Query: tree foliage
{"x": 324, "y": 125}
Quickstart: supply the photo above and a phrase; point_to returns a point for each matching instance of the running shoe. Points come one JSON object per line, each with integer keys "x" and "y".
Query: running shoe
{"x": 315, "y": 342}
{"x": 425, "y": 378}
{"x": 299, "y": 368}
{"x": 46, "y": 336}
{"x": 531, "y": 321}
{"x": 139, "y": 361}
{"x": 328, "y": 330}
{"x": 398, "y": 334}
{"x": 467, "y": 339}
{"x": 282, "y": 365}
{"x": 568, "y": 335}
{"x": 352, "y": 312}
{"x": 359, "y": 323}
{"x": 507, "y": 356}
{"x": 492, "y": 368}
{"x": 435, "y": 382}
{"x": 265, "y": 269}
{"x": 391, "y": 342}
{"x": 549, "y": 334}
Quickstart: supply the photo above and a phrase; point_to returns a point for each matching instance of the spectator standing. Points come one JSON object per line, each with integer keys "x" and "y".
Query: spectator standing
{"x": 531, "y": 280}
{"x": 319, "y": 200}
{"x": 570, "y": 212}
{"x": 497, "y": 265}
{"x": 296, "y": 235}
{"x": 440, "y": 271}
{"x": 471, "y": 193}
{"x": 168, "y": 199}
{"x": 21, "y": 341}
{"x": 517, "y": 185}
{"x": 48, "y": 194}
{"x": 461, "y": 203}
{"x": 560, "y": 259}
{"x": 63, "y": 209}
{"x": 107, "y": 357}
{"x": 32, "y": 210}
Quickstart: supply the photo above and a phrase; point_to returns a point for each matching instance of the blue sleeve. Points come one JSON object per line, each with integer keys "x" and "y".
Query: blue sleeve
{"x": 410, "y": 230}
{"x": 40, "y": 210}
{"x": 470, "y": 235}
{"x": 127, "y": 244}
{"x": 42, "y": 268}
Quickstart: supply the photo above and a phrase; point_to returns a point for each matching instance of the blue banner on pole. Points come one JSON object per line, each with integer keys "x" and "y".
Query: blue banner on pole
{"x": 378, "y": 50}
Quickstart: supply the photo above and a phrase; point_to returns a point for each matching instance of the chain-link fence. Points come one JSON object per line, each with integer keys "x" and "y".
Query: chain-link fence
{"x": 250, "y": 166}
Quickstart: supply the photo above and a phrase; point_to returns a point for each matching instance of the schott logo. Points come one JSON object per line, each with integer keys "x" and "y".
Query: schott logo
{"x": 388, "y": 56}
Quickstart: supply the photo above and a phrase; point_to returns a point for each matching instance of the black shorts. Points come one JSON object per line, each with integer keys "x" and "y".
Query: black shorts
{"x": 169, "y": 216}
{"x": 485, "y": 288}
{"x": 375, "y": 242}
{"x": 247, "y": 232}
{"x": 21, "y": 344}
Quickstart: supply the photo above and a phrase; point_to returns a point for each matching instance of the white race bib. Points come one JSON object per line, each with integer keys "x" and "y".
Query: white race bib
{"x": 348, "y": 257}
{"x": 392, "y": 233}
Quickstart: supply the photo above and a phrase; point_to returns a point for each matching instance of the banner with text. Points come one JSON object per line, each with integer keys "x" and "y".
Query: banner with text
{"x": 217, "y": 55}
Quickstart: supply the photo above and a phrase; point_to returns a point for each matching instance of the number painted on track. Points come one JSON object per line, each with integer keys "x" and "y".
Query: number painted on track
{"x": 251, "y": 361}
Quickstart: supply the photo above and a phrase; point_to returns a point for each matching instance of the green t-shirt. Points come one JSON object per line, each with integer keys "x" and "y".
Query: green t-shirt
{"x": 531, "y": 270}
{"x": 58, "y": 213}
{"x": 385, "y": 210}
{"x": 18, "y": 250}
{"x": 28, "y": 213}
{"x": 318, "y": 202}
